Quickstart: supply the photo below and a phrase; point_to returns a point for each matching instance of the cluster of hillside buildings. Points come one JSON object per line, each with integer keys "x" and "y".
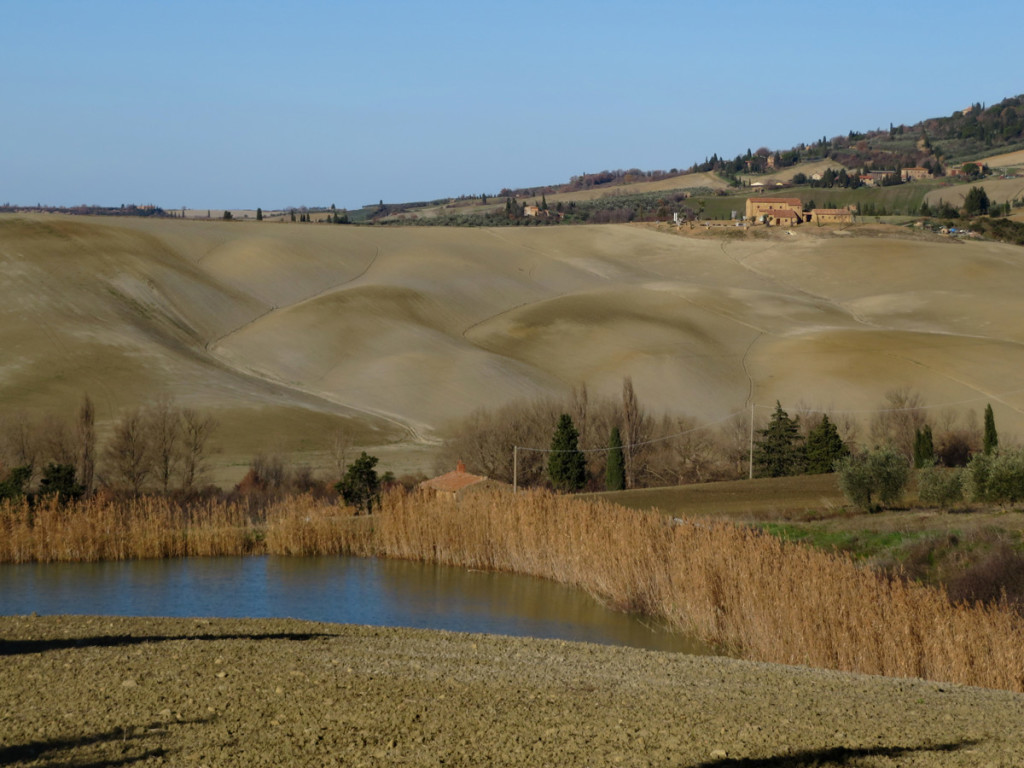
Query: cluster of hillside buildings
{"x": 876, "y": 178}
{"x": 789, "y": 211}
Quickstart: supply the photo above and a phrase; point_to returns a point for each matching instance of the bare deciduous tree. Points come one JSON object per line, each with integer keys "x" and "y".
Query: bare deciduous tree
{"x": 897, "y": 423}
{"x": 485, "y": 441}
{"x": 579, "y": 411}
{"x": 163, "y": 422}
{"x": 636, "y": 430}
{"x": 697, "y": 455}
{"x": 340, "y": 445}
{"x": 196, "y": 430}
{"x": 86, "y": 434}
{"x": 129, "y": 455}
{"x": 20, "y": 446}
{"x": 58, "y": 446}
{"x": 734, "y": 440}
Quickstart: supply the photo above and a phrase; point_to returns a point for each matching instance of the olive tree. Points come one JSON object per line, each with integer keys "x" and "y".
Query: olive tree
{"x": 881, "y": 473}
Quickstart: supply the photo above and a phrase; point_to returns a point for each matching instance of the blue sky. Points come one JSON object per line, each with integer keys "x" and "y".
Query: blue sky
{"x": 232, "y": 104}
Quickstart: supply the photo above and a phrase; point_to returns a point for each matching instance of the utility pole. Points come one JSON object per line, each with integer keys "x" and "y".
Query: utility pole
{"x": 515, "y": 469}
{"x": 750, "y": 475}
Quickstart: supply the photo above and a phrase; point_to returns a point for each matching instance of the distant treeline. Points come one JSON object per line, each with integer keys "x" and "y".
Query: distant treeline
{"x": 672, "y": 449}
{"x": 608, "y": 209}
{"x": 125, "y": 209}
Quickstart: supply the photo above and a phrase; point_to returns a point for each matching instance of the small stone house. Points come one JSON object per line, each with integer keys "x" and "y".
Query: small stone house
{"x": 459, "y": 483}
{"x": 831, "y": 216}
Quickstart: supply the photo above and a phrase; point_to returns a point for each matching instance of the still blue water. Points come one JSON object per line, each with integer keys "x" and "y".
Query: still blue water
{"x": 344, "y": 590}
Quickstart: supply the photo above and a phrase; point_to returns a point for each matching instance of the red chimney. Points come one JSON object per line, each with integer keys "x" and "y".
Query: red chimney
{"x": 460, "y": 467}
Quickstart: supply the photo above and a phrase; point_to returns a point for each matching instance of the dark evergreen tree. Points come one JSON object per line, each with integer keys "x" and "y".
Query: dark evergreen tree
{"x": 924, "y": 448}
{"x": 259, "y": 214}
{"x": 615, "y": 472}
{"x": 567, "y": 466}
{"x": 59, "y": 480}
{"x": 824, "y": 448}
{"x": 361, "y": 487}
{"x": 13, "y": 486}
{"x": 991, "y": 439}
{"x": 976, "y": 201}
{"x": 778, "y": 452}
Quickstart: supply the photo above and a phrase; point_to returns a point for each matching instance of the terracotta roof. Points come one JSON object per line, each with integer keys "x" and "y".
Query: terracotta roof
{"x": 779, "y": 200}
{"x": 819, "y": 211}
{"x": 453, "y": 482}
{"x": 783, "y": 213}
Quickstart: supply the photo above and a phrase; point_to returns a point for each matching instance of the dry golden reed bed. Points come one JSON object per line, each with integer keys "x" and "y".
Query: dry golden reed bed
{"x": 744, "y": 591}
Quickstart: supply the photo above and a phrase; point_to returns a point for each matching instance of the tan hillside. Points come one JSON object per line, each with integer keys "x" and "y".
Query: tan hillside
{"x": 685, "y": 181}
{"x": 998, "y": 191}
{"x": 1007, "y": 160}
{"x": 784, "y": 175}
{"x": 288, "y": 331}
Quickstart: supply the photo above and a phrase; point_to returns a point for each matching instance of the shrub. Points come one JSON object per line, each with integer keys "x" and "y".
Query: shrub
{"x": 882, "y": 473}
{"x": 940, "y": 487}
{"x": 13, "y": 486}
{"x": 997, "y": 477}
{"x": 955, "y": 449}
{"x": 976, "y": 475}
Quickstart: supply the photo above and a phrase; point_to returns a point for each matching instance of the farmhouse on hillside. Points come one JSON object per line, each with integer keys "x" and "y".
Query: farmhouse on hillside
{"x": 913, "y": 174}
{"x": 774, "y": 208}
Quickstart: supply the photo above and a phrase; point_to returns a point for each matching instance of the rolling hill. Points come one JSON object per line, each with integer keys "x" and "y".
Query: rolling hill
{"x": 288, "y": 332}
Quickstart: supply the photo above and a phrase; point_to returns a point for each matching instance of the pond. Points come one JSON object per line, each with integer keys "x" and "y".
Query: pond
{"x": 345, "y": 590}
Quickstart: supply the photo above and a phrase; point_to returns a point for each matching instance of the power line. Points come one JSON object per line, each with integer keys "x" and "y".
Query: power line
{"x": 949, "y": 404}
{"x": 645, "y": 442}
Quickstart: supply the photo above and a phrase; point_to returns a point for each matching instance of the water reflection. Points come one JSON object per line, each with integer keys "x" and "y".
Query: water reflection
{"x": 334, "y": 589}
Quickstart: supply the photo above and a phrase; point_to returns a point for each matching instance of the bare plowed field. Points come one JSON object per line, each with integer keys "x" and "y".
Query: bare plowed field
{"x": 187, "y": 692}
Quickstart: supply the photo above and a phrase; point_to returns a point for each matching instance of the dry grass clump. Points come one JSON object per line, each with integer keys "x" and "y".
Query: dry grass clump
{"x": 155, "y": 527}
{"x": 117, "y": 529}
{"x": 303, "y": 525}
{"x": 750, "y": 593}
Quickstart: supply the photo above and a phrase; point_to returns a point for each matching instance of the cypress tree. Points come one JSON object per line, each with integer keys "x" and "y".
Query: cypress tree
{"x": 567, "y": 467}
{"x": 615, "y": 472}
{"x": 924, "y": 448}
{"x": 259, "y": 214}
{"x": 991, "y": 439}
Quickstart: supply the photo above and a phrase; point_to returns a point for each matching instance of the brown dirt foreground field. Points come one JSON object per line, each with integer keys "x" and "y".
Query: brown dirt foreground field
{"x": 98, "y": 691}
